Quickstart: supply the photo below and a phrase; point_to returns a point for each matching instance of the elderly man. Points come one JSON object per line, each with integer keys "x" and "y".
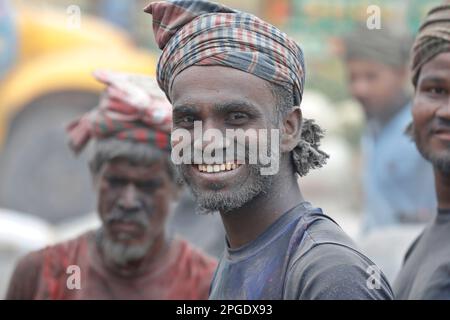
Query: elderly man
{"x": 229, "y": 71}
{"x": 426, "y": 270}
{"x": 398, "y": 182}
{"x": 131, "y": 256}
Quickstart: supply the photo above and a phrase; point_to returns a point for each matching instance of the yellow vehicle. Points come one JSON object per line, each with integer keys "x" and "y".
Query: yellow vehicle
{"x": 48, "y": 86}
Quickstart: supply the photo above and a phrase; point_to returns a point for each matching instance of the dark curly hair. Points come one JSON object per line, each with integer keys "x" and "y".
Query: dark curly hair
{"x": 307, "y": 154}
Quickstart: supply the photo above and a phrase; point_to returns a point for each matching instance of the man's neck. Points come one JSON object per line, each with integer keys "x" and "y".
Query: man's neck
{"x": 246, "y": 223}
{"x": 442, "y": 181}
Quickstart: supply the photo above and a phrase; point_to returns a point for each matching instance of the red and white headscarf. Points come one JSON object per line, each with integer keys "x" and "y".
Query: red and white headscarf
{"x": 131, "y": 108}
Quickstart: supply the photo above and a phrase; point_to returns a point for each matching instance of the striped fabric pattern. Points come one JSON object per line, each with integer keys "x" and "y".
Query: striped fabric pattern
{"x": 203, "y": 33}
{"x": 433, "y": 38}
{"x": 132, "y": 108}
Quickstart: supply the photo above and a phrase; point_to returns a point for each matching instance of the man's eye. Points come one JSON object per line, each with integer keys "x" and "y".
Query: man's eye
{"x": 437, "y": 91}
{"x": 185, "y": 120}
{"x": 116, "y": 182}
{"x": 148, "y": 185}
{"x": 237, "y": 117}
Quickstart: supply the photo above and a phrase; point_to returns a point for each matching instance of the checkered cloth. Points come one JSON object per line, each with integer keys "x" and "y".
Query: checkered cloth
{"x": 203, "y": 33}
{"x": 132, "y": 108}
{"x": 433, "y": 38}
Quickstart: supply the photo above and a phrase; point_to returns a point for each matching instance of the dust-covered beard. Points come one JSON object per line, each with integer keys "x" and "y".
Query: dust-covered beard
{"x": 439, "y": 161}
{"x": 119, "y": 253}
{"x": 117, "y": 250}
{"x": 226, "y": 201}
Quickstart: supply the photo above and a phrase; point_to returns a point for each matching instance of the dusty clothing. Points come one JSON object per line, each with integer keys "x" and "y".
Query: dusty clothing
{"x": 182, "y": 273}
{"x": 426, "y": 270}
{"x": 303, "y": 255}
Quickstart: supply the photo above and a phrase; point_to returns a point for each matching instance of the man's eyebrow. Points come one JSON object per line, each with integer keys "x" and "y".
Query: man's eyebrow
{"x": 185, "y": 108}
{"x": 240, "y": 105}
{"x": 434, "y": 79}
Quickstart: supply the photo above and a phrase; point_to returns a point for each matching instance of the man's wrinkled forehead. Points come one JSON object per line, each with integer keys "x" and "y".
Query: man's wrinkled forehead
{"x": 221, "y": 87}
{"x": 123, "y": 167}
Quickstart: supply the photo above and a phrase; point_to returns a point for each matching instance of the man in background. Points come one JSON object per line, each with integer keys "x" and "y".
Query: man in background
{"x": 131, "y": 256}
{"x": 426, "y": 270}
{"x": 398, "y": 182}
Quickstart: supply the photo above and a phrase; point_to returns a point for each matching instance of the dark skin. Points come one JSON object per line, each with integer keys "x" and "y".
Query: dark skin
{"x": 226, "y": 98}
{"x": 379, "y": 88}
{"x": 431, "y": 113}
{"x": 124, "y": 189}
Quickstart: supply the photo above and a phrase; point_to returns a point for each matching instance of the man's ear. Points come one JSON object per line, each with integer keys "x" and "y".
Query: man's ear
{"x": 291, "y": 129}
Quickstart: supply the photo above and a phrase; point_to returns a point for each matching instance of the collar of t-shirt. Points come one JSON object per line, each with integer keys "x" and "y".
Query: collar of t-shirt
{"x": 269, "y": 235}
{"x": 443, "y": 216}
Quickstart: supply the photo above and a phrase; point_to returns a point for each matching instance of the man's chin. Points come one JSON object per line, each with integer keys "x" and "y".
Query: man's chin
{"x": 123, "y": 249}
{"x": 439, "y": 160}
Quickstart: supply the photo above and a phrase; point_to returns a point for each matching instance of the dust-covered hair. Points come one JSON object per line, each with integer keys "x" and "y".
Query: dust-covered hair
{"x": 307, "y": 154}
{"x": 105, "y": 150}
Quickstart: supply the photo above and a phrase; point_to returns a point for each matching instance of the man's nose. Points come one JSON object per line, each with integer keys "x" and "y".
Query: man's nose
{"x": 206, "y": 138}
{"x": 359, "y": 88}
{"x": 443, "y": 111}
{"x": 129, "y": 199}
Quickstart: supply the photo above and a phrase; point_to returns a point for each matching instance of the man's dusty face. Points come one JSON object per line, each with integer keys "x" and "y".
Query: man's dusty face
{"x": 133, "y": 203}
{"x": 376, "y": 86}
{"x": 222, "y": 98}
{"x": 431, "y": 112}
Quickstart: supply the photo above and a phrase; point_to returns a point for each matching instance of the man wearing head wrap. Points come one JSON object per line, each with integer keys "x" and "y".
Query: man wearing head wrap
{"x": 426, "y": 270}
{"x": 130, "y": 256}
{"x": 229, "y": 72}
{"x": 398, "y": 183}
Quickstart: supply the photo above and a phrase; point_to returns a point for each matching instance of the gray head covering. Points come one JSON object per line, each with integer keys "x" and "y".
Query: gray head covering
{"x": 379, "y": 45}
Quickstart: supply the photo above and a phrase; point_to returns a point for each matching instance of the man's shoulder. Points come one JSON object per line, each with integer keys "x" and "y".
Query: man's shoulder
{"x": 44, "y": 263}
{"x": 327, "y": 264}
{"x": 195, "y": 256}
{"x": 196, "y": 268}
{"x": 59, "y": 253}
{"x": 318, "y": 229}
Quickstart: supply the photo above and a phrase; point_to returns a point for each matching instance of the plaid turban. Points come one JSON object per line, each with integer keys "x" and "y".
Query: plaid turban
{"x": 433, "y": 38}
{"x": 132, "y": 108}
{"x": 203, "y": 33}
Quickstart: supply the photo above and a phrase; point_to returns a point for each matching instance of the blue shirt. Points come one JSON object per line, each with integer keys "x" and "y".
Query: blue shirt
{"x": 398, "y": 181}
{"x": 303, "y": 255}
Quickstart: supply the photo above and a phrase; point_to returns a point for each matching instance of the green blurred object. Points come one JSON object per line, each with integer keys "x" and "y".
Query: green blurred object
{"x": 317, "y": 24}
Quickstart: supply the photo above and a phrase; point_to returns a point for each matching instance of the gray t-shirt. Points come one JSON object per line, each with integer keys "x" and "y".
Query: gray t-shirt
{"x": 303, "y": 255}
{"x": 426, "y": 270}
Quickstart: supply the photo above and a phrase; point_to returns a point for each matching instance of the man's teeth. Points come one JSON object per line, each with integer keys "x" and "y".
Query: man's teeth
{"x": 217, "y": 167}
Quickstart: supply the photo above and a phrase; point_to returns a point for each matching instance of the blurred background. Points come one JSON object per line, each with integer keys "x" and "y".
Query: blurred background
{"x": 48, "y": 50}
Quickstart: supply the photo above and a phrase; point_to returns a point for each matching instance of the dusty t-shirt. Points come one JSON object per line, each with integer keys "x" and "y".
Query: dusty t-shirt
{"x": 303, "y": 255}
{"x": 183, "y": 272}
{"x": 426, "y": 270}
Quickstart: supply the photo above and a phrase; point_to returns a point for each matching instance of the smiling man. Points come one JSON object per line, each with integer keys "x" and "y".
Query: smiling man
{"x": 228, "y": 70}
{"x": 426, "y": 271}
{"x": 130, "y": 256}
